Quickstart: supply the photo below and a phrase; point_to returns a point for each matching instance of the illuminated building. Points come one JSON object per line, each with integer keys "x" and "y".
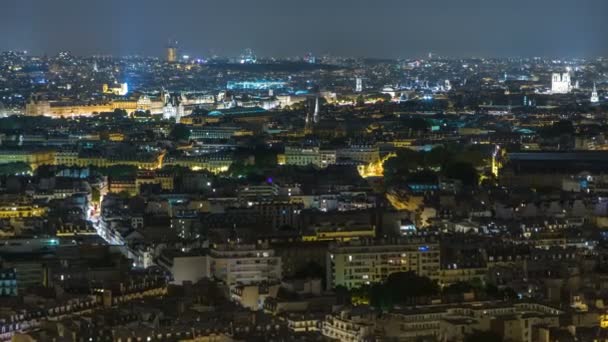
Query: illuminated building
{"x": 8, "y": 282}
{"x": 374, "y": 168}
{"x": 359, "y": 85}
{"x": 73, "y": 158}
{"x": 36, "y": 106}
{"x": 216, "y": 132}
{"x": 212, "y": 163}
{"x": 248, "y": 57}
{"x": 340, "y": 233}
{"x": 21, "y": 210}
{"x": 449, "y": 276}
{"x": 355, "y": 265}
{"x": 244, "y": 264}
{"x": 34, "y": 158}
{"x": 172, "y": 52}
{"x": 121, "y": 90}
{"x": 594, "y": 97}
{"x": 517, "y": 321}
{"x": 255, "y": 85}
{"x": 359, "y": 153}
{"x": 165, "y": 181}
{"x": 306, "y": 156}
{"x": 75, "y": 229}
{"x": 123, "y": 186}
{"x": 309, "y": 58}
{"x": 561, "y": 83}
{"x": 174, "y": 107}
{"x": 346, "y": 326}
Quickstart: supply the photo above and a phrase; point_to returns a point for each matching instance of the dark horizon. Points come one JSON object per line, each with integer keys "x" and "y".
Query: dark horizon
{"x": 391, "y": 29}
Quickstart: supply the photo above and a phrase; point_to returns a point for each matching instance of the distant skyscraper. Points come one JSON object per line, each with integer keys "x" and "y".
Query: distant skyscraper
{"x": 172, "y": 52}
{"x": 359, "y": 85}
{"x": 248, "y": 57}
{"x": 561, "y": 83}
{"x": 594, "y": 97}
{"x": 309, "y": 58}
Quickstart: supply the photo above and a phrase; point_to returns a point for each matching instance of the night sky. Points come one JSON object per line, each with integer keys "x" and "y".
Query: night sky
{"x": 370, "y": 28}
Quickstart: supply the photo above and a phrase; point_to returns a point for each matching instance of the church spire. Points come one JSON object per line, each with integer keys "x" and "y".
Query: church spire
{"x": 594, "y": 97}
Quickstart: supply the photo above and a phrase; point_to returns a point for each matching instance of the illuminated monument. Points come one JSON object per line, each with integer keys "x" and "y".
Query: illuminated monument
{"x": 561, "y": 83}
{"x": 173, "y": 107}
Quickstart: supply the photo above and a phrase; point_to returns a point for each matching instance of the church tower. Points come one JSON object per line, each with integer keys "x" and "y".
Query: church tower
{"x": 594, "y": 97}
{"x": 561, "y": 83}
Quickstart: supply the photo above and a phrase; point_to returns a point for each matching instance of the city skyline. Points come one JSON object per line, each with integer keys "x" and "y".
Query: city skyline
{"x": 338, "y": 170}
{"x": 391, "y": 29}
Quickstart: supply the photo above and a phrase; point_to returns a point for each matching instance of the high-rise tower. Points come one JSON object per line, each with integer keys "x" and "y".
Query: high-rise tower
{"x": 359, "y": 84}
{"x": 172, "y": 51}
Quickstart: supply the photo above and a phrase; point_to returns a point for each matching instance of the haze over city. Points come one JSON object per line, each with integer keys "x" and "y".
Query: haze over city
{"x": 386, "y": 28}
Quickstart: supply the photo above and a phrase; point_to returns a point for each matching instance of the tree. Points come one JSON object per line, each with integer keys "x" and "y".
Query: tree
{"x": 310, "y": 270}
{"x": 17, "y": 168}
{"x": 415, "y": 124}
{"x": 465, "y": 172}
{"x": 180, "y": 132}
{"x": 265, "y": 158}
{"x": 402, "y": 288}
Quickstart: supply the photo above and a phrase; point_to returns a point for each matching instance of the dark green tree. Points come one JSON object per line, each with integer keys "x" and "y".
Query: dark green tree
{"x": 10, "y": 169}
{"x": 465, "y": 172}
{"x": 180, "y": 132}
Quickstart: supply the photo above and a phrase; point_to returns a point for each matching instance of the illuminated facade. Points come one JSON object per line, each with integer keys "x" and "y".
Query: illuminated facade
{"x": 309, "y": 156}
{"x": 72, "y": 158}
{"x": 172, "y": 51}
{"x": 174, "y": 107}
{"x": 374, "y": 168}
{"x": 37, "y": 106}
{"x": 255, "y": 85}
{"x": 356, "y": 265}
{"x": 346, "y": 233}
{"x": 245, "y": 264}
{"x": 20, "y": 210}
{"x": 561, "y": 83}
{"x": 165, "y": 181}
{"x": 121, "y": 90}
{"x": 213, "y": 164}
{"x": 360, "y": 153}
{"x": 33, "y": 158}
